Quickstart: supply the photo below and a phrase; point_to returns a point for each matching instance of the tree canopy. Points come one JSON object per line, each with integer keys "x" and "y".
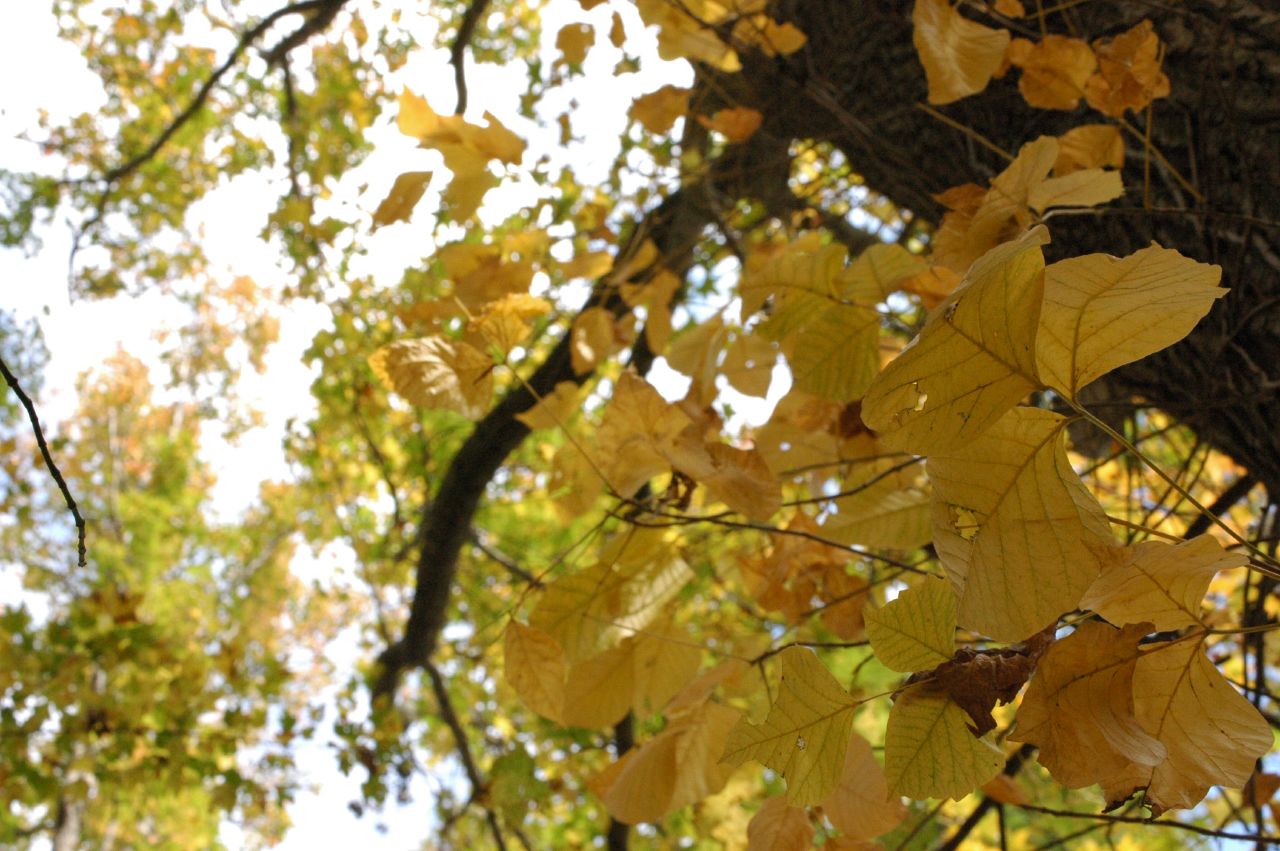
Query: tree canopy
{"x": 734, "y": 424}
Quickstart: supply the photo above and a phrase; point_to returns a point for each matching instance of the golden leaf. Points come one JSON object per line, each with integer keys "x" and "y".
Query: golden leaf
{"x": 591, "y": 265}
{"x": 1089, "y": 146}
{"x": 617, "y": 32}
{"x": 741, "y": 479}
{"x": 737, "y": 124}
{"x": 1101, "y": 312}
{"x": 959, "y": 56}
{"x": 534, "y": 666}
{"x": 1161, "y": 583}
{"x": 504, "y": 325}
{"x": 1129, "y": 75}
{"x": 403, "y": 197}
{"x": 779, "y": 826}
{"x": 637, "y": 434}
{"x": 915, "y": 631}
{"x": 592, "y": 339}
{"x": 1079, "y": 707}
{"x": 806, "y": 732}
{"x": 748, "y": 364}
{"x": 878, "y": 271}
{"x": 974, "y": 359}
{"x": 1054, "y": 70}
{"x": 929, "y": 751}
{"x": 860, "y": 807}
{"x": 1018, "y": 533}
{"x": 554, "y": 409}
{"x": 683, "y": 32}
{"x": 573, "y": 41}
{"x": 658, "y": 111}
{"x": 768, "y": 36}
{"x": 433, "y": 372}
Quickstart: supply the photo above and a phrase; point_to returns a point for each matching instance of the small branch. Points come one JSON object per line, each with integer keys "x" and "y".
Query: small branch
{"x": 1239, "y": 490}
{"x": 503, "y": 560}
{"x": 1011, "y": 768}
{"x": 324, "y": 13}
{"x": 457, "y": 52}
{"x": 450, "y": 717}
{"x": 12, "y": 381}
{"x": 1151, "y": 822}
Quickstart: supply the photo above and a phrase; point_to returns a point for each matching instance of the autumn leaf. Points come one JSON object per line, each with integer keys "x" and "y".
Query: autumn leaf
{"x": 592, "y": 339}
{"x": 916, "y": 630}
{"x": 1019, "y": 535}
{"x": 658, "y": 111}
{"x": 684, "y": 32}
{"x": 434, "y": 372}
{"x": 1079, "y": 708}
{"x": 737, "y": 124}
{"x": 534, "y": 666}
{"x": 1129, "y": 75}
{"x": 929, "y": 751}
{"x": 779, "y": 826}
{"x": 806, "y": 732}
{"x": 405, "y": 194}
{"x": 861, "y": 807}
{"x": 741, "y": 479}
{"x": 1101, "y": 312}
{"x": 768, "y": 36}
{"x": 1089, "y": 146}
{"x": 972, "y": 362}
{"x": 748, "y": 364}
{"x": 959, "y": 55}
{"x": 504, "y": 322}
{"x": 1054, "y": 70}
{"x": 573, "y": 41}
{"x": 1213, "y": 735}
{"x": 554, "y": 409}
{"x": 1162, "y": 583}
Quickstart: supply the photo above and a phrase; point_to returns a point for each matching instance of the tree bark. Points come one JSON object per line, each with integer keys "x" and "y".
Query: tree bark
{"x": 858, "y": 85}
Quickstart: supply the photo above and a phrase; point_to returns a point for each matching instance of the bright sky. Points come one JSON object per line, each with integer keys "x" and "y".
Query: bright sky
{"x": 81, "y": 335}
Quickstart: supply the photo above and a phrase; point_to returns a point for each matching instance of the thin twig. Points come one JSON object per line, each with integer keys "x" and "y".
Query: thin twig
{"x": 457, "y": 52}
{"x": 12, "y": 381}
{"x": 1151, "y": 822}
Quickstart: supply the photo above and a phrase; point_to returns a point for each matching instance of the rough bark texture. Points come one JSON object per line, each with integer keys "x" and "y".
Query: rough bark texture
{"x": 857, "y": 85}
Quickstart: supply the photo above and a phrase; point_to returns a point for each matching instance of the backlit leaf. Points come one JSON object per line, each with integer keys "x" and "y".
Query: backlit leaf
{"x": 534, "y": 666}
{"x": 915, "y": 631}
{"x": 959, "y": 55}
{"x": 929, "y": 751}
{"x": 779, "y": 826}
{"x": 861, "y": 807}
{"x": 434, "y": 372}
{"x": 405, "y": 194}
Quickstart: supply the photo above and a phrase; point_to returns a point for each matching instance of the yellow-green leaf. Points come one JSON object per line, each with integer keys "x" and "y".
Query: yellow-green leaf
{"x": 929, "y": 751}
{"x": 806, "y": 732}
{"x": 915, "y": 631}
{"x": 1019, "y": 535}
{"x": 1101, "y": 312}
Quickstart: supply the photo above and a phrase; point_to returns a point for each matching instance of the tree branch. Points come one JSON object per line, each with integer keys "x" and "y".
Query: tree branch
{"x": 12, "y": 381}
{"x": 457, "y": 52}
{"x": 1011, "y": 768}
{"x": 623, "y": 738}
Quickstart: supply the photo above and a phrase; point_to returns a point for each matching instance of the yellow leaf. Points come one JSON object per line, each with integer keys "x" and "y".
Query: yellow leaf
{"x": 1129, "y": 75}
{"x": 1018, "y": 533}
{"x": 685, "y": 32}
{"x": 929, "y": 751}
{"x": 748, "y": 364}
{"x": 664, "y": 658}
{"x": 959, "y": 55}
{"x": 658, "y": 111}
{"x": 768, "y": 36}
{"x": 1161, "y": 583}
{"x": 1085, "y": 188}
{"x": 637, "y": 433}
{"x": 778, "y": 826}
{"x": 974, "y": 359}
{"x": 503, "y": 323}
{"x": 737, "y": 124}
{"x": 878, "y": 271}
{"x": 403, "y": 197}
{"x": 915, "y": 631}
{"x": 1054, "y": 70}
{"x": 637, "y": 573}
{"x": 534, "y": 666}
{"x": 575, "y": 485}
{"x": 599, "y": 689}
{"x": 676, "y": 768}
{"x": 741, "y": 479}
{"x": 882, "y": 514}
{"x": 1089, "y": 146}
{"x": 860, "y": 807}
{"x": 1213, "y": 735}
{"x": 806, "y": 732}
{"x": 1101, "y": 312}
{"x": 592, "y": 339}
{"x": 554, "y": 409}
{"x": 617, "y": 32}
{"x": 433, "y": 372}
{"x": 592, "y": 265}
{"x": 1079, "y": 707}
{"x": 574, "y": 40}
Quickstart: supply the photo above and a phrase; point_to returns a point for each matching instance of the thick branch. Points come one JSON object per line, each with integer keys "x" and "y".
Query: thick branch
{"x": 623, "y": 738}
{"x": 12, "y": 381}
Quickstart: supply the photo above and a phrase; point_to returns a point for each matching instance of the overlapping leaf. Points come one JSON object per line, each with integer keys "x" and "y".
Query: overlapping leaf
{"x": 435, "y": 372}
{"x": 929, "y": 751}
{"x": 915, "y": 631}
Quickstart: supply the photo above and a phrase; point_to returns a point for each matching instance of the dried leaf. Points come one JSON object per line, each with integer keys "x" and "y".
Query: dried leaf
{"x": 1129, "y": 75}
{"x": 779, "y": 826}
{"x": 1054, "y": 70}
{"x": 959, "y": 55}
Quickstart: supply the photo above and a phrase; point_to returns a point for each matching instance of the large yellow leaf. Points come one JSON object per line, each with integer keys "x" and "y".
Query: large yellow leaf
{"x": 504, "y": 322}
{"x": 1079, "y": 707}
{"x": 1019, "y": 535}
{"x": 741, "y": 479}
{"x": 599, "y": 689}
{"x": 974, "y": 359}
{"x": 589, "y": 611}
{"x": 637, "y": 433}
{"x": 1089, "y": 146}
{"x": 534, "y": 666}
{"x": 1054, "y": 70}
{"x": 861, "y": 807}
{"x": 779, "y": 826}
{"x": 879, "y": 271}
{"x": 1161, "y": 583}
{"x": 883, "y": 514}
{"x": 916, "y": 631}
{"x": 806, "y": 732}
{"x": 434, "y": 372}
{"x": 959, "y": 55}
{"x": 678, "y": 767}
{"x": 664, "y": 659}
{"x": 1101, "y": 312}
{"x": 1213, "y": 735}
{"x": 929, "y": 751}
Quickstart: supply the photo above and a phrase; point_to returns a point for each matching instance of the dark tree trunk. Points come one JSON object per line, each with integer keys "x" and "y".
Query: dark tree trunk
{"x": 858, "y": 84}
